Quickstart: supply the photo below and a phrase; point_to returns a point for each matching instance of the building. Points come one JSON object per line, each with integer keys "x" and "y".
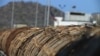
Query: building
{"x": 96, "y": 17}
{"x": 73, "y": 18}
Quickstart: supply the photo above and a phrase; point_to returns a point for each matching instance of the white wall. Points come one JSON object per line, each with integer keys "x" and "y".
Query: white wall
{"x": 85, "y": 17}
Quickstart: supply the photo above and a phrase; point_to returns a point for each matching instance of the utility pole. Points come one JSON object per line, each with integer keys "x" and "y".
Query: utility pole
{"x": 12, "y": 16}
{"x": 36, "y": 16}
{"x": 48, "y": 12}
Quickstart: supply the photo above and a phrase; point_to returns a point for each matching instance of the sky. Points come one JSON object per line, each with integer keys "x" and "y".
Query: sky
{"x": 87, "y": 6}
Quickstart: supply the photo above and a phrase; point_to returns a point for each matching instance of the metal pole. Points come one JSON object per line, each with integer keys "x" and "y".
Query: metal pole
{"x": 36, "y": 17}
{"x": 48, "y": 12}
{"x": 62, "y": 7}
{"x": 45, "y": 16}
{"x": 12, "y": 17}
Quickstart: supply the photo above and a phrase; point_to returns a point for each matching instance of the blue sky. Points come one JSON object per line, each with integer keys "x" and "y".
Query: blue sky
{"x": 87, "y": 6}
